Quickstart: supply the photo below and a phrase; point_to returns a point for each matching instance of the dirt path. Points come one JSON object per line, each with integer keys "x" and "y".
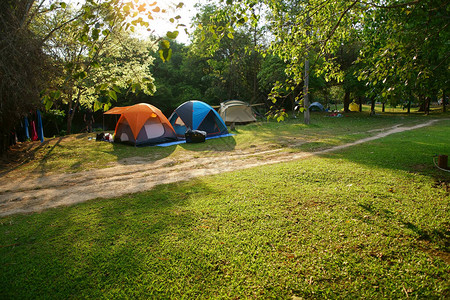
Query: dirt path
{"x": 27, "y": 195}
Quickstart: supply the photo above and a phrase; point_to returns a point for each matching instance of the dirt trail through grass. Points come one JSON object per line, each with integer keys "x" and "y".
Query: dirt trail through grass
{"x": 33, "y": 194}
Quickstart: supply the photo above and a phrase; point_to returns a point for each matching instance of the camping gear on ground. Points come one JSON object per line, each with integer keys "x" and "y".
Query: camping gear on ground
{"x": 197, "y": 115}
{"x": 34, "y": 136}
{"x": 40, "y": 129}
{"x": 108, "y": 138}
{"x": 236, "y": 111}
{"x": 353, "y": 106}
{"x": 27, "y": 132}
{"x": 443, "y": 161}
{"x": 195, "y": 136}
{"x": 316, "y": 106}
{"x": 104, "y": 137}
{"x": 142, "y": 124}
{"x": 100, "y": 136}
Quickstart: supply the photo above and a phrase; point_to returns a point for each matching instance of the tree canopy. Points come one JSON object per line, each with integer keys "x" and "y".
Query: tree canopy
{"x": 404, "y": 44}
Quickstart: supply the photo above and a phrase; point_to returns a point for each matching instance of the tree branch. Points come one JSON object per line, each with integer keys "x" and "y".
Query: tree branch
{"x": 339, "y": 21}
{"x": 445, "y": 58}
{"x": 391, "y": 6}
{"x": 59, "y": 27}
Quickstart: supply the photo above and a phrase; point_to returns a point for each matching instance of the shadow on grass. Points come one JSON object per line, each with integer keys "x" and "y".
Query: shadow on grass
{"x": 23, "y": 153}
{"x": 81, "y": 152}
{"x": 130, "y": 155}
{"x": 411, "y": 151}
{"x": 222, "y": 144}
{"x": 430, "y": 239}
{"x": 86, "y": 250}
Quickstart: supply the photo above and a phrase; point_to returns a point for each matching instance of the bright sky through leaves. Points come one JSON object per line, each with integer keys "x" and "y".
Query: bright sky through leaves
{"x": 161, "y": 24}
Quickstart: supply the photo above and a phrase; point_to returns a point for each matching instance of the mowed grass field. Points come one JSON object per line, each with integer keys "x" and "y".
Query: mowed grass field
{"x": 372, "y": 221}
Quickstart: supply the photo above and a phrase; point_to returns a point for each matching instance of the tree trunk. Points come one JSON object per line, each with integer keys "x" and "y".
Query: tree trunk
{"x": 425, "y": 105}
{"x": 346, "y": 101}
{"x": 372, "y": 106}
{"x": 70, "y": 114}
{"x": 255, "y": 65}
{"x": 360, "y": 103}
{"x": 383, "y": 107}
{"x": 73, "y": 106}
{"x": 443, "y": 101}
{"x": 70, "y": 119}
{"x": 409, "y": 102}
{"x": 306, "y": 113}
{"x": 255, "y": 84}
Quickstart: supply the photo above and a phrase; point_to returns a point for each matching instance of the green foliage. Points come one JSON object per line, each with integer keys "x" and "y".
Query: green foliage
{"x": 82, "y": 42}
{"x": 230, "y": 52}
{"x": 403, "y": 44}
{"x": 178, "y": 80}
{"x": 172, "y": 34}
{"x": 165, "y": 53}
{"x": 95, "y": 68}
{"x": 276, "y": 114}
{"x": 407, "y": 50}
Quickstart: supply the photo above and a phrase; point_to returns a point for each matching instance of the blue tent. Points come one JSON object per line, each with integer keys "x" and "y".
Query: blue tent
{"x": 197, "y": 115}
{"x": 316, "y": 106}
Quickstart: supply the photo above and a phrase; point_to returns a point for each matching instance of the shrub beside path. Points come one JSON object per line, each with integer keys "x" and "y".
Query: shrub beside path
{"x": 34, "y": 194}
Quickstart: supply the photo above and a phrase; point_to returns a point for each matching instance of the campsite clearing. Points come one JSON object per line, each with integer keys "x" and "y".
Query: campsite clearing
{"x": 35, "y": 192}
{"x": 365, "y": 222}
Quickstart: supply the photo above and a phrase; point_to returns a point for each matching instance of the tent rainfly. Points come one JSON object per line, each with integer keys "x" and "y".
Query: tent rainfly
{"x": 353, "y": 107}
{"x": 142, "y": 124}
{"x": 236, "y": 111}
{"x": 316, "y": 106}
{"x": 197, "y": 115}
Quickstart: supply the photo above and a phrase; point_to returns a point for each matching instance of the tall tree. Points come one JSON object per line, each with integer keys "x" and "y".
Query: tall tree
{"x": 94, "y": 73}
{"x": 233, "y": 63}
{"x": 411, "y": 35}
{"x": 24, "y": 67}
{"x": 407, "y": 49}
{"x": 97, "y": 58}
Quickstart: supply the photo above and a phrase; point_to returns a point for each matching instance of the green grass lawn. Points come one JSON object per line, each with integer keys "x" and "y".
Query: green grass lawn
{"x": 372, "y": 221}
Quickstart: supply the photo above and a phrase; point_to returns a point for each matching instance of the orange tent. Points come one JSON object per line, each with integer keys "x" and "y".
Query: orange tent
{"x": 116, "y": 110}
{"x": 140, "y": 124}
